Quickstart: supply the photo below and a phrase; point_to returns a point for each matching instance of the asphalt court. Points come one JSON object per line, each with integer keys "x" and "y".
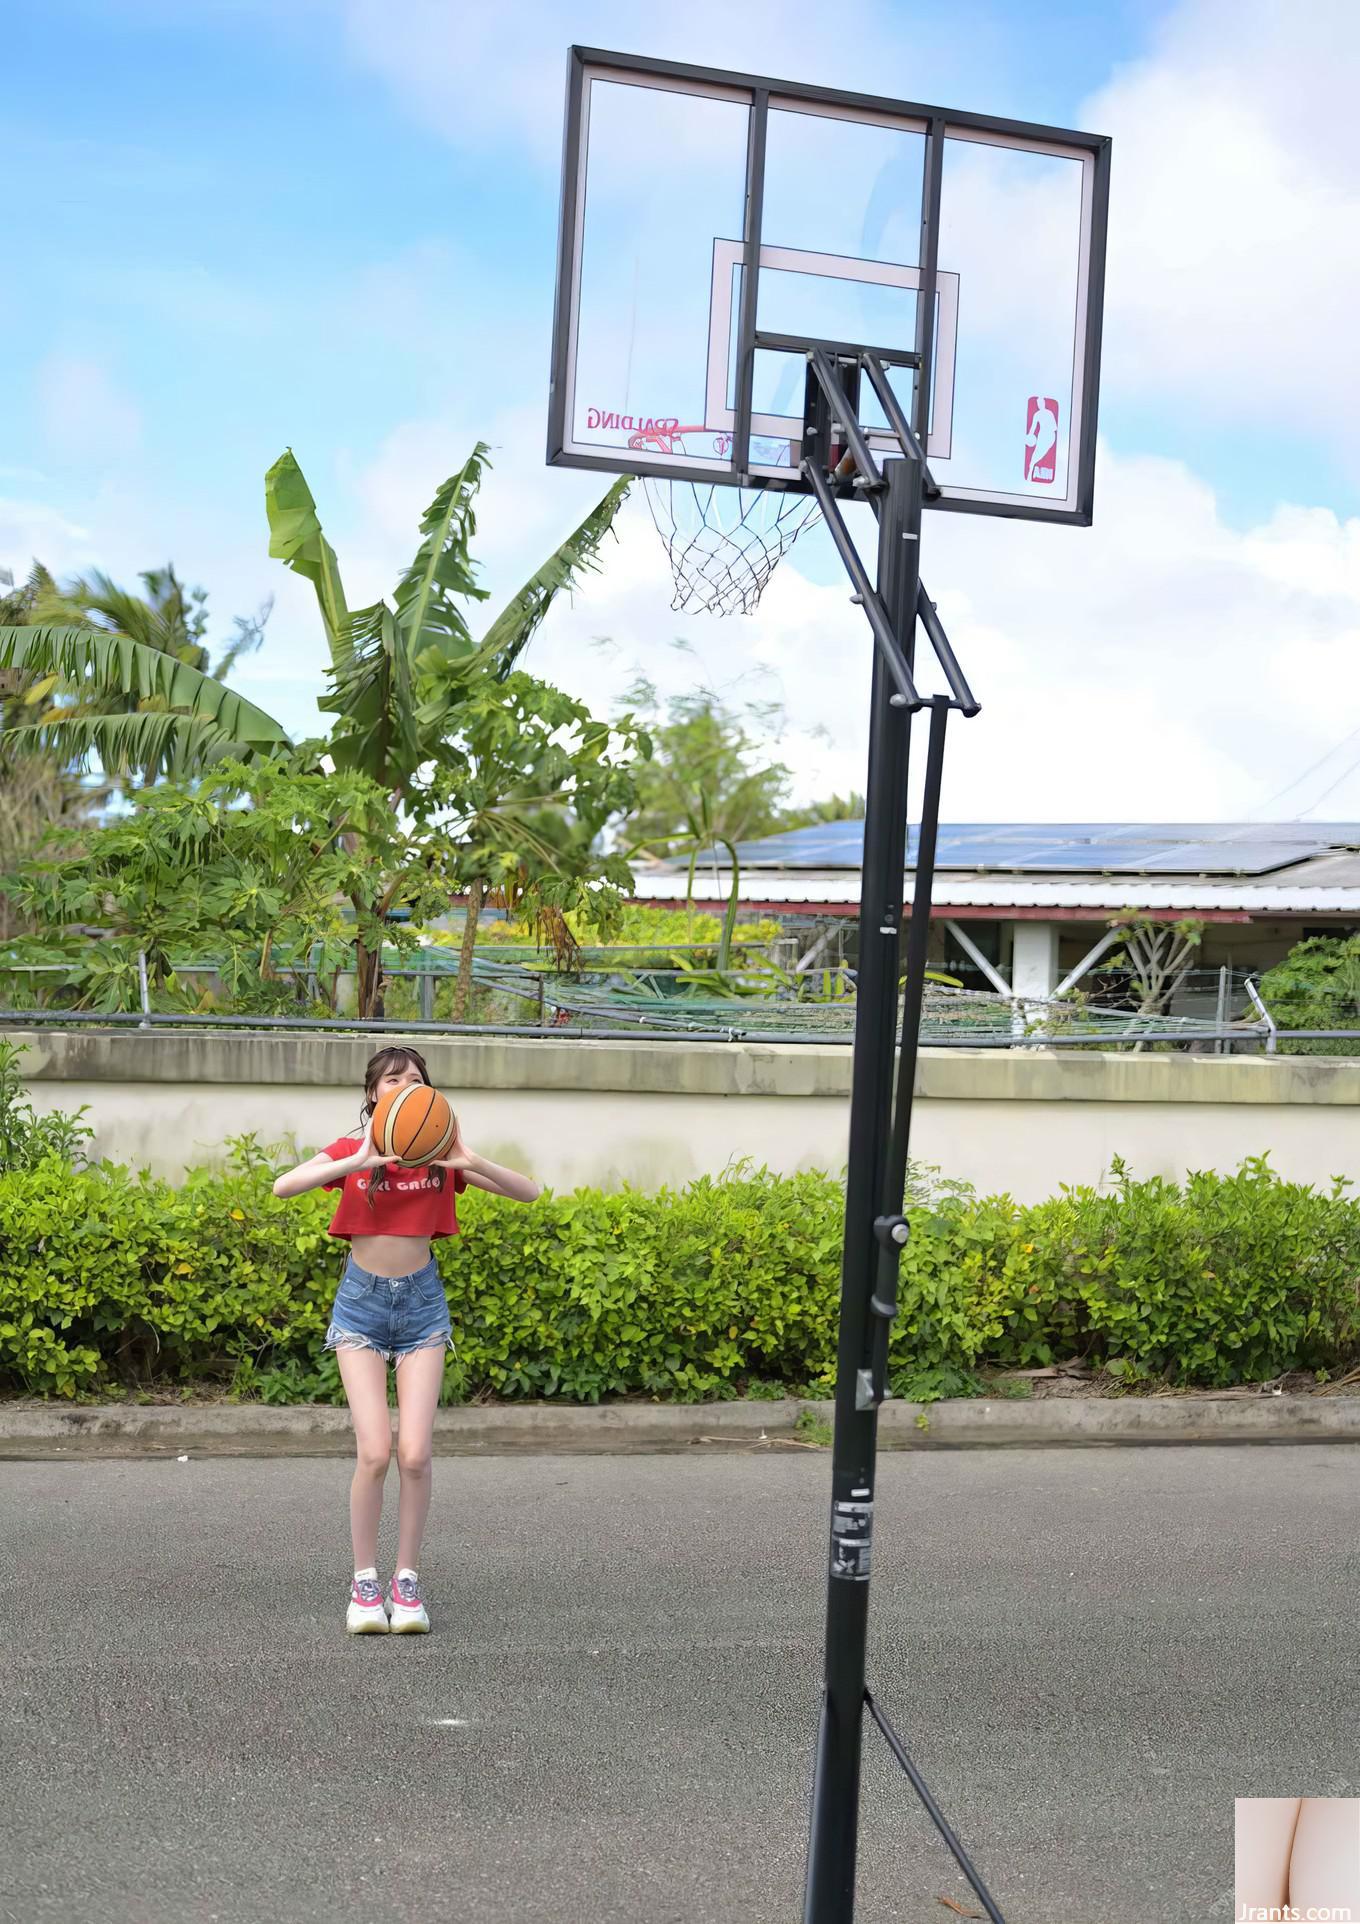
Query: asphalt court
{"x": 1089, "y": 1654}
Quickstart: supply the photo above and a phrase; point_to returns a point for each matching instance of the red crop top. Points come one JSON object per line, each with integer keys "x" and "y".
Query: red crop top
{"x": 409, "y": 1205}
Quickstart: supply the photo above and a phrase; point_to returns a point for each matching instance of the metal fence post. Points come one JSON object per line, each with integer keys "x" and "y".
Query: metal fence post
{"x": 1272, "y": 1027}
{"x": 146, "y": 995}
{"x": 1221, "y": 1022}
{"x": 426, "y": 996}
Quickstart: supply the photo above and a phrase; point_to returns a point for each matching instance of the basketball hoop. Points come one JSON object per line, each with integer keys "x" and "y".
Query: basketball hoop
{"x": 724, "y": 543}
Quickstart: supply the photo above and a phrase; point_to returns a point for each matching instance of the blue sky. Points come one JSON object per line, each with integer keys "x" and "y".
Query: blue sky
{"x": 331, "y": 224}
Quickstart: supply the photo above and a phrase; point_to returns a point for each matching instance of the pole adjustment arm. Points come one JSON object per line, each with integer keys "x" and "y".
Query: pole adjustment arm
{"x": 871, "y": 1387}
{"x": 892, "y": 1231}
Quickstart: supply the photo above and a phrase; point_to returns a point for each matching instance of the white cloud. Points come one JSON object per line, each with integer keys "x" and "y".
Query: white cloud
{"x": 1234, "y": 269}
{"x": 32, "y": 531}
{"x": 463, "y": 74}
{"x": 83, "y": 412}
{"x": 1160, "y": 665}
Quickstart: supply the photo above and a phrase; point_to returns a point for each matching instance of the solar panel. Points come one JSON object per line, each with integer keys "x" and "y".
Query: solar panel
{"x": 1062, "y": 848}
{"x": 1237, "y": 858}
{"x": 1098, "y": 859}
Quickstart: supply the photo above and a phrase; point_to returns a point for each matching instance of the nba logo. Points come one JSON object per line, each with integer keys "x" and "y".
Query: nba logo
{"x": 1041, "y": 438}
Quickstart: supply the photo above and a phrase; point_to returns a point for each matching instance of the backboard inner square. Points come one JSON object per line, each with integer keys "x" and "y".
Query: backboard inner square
{"x": 728, "y": 256}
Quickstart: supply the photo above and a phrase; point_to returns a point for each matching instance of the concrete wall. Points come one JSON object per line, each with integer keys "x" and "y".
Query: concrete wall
{"x": 650, "y": 1113}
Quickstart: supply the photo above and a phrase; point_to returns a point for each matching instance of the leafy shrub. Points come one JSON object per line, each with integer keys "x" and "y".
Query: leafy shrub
{"x": 26, "y": 1138}
{"x": 1317, "y": 986}
{"x": 1230, "y": 1279}
{"x": 657, "y": 938}
{"x": 110, "y": 1279}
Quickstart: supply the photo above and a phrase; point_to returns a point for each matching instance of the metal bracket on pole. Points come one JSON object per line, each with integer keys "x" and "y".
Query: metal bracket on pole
{"x": 898, "y": 422}
{"x": 867, "y": 596}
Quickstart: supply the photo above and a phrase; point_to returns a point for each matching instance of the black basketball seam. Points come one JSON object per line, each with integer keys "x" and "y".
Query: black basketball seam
{"x": 419, "y": 1128}
{"x": 388, "y": 1144}
{"x": 429, "y": 1155}
{"x": 445, "y": 1140}
{"x": 389, "y": 1124}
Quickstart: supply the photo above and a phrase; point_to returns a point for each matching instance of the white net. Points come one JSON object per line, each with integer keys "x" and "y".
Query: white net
{"x": 724, "y": 543}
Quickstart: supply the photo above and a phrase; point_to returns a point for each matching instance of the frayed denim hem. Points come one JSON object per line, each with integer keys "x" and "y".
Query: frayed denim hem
{"x": 442, "y": 1339}
{"x": 337, "y": 1339}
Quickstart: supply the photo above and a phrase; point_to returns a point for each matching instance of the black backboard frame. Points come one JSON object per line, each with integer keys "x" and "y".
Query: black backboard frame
{"x": 760, "y": 90}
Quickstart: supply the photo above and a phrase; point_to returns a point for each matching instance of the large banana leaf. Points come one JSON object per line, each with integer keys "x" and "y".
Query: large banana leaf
{"x": 295, "y": 537}
{"x": 114, "y": 663}
{"x": 428, "y": 615}
{"x": 151, "y": 742}
{"x": 513, "y": 629}
{"x": 371, "y": 694}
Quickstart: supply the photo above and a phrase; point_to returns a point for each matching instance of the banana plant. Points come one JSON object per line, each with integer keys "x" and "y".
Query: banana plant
{"x": 399, "y": 671}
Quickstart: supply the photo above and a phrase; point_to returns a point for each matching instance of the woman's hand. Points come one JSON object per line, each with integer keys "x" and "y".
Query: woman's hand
{"x": 489, "y": 1175}
{"x": 366, "y": 1156}
{"x": 459, "y": 1156}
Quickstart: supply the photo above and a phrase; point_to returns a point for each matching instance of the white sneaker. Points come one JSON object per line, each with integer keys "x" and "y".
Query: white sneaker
{"x": 408, "y": 1612}
{"x": 367, "y": 1613}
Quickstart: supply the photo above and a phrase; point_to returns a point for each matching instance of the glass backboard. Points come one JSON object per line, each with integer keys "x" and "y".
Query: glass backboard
{"x": 974, "y": 244}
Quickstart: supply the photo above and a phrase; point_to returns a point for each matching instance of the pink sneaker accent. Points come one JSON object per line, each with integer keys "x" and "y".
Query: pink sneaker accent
{"x": 408, "y": 1612}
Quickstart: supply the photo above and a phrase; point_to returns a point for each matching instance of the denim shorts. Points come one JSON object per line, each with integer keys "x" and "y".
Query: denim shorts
{"x": 391, "y": 1314}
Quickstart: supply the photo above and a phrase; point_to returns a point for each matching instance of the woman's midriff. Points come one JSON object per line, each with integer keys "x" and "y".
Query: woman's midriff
{"x": 390, "y": 1255}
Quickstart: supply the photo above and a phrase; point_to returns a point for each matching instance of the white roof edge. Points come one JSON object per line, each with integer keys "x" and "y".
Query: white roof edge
{"x": 1142, "y": 893}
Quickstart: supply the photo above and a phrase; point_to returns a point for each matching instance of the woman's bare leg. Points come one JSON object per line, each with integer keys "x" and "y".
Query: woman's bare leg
{"x": 1324, "y": 1866}
{"x": 1264, "y": 1832}
{"x": 420, "y": 1378}
{"x": 364, "y": 1375}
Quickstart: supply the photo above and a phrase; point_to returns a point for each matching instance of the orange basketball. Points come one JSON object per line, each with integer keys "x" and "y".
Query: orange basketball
{"x": 414, "y": 1125}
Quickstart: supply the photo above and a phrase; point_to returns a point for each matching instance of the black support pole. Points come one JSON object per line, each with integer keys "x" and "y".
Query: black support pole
{"x": 830, "y": 1889}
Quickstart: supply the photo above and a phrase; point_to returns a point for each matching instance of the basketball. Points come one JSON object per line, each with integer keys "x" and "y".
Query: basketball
{"x": 414, "y": 1126}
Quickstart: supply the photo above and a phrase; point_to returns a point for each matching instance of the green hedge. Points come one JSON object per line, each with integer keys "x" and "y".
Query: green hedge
{"x": 109, "y": 1280}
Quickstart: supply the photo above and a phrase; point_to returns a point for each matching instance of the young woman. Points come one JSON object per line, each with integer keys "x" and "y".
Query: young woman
{"x": 391, "y": 1307}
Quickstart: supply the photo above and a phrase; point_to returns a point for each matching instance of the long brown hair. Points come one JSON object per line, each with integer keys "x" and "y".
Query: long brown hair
{"x": 390, "y": 1061}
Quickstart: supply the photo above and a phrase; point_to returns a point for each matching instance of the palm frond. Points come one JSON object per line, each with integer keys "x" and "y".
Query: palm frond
{"x": 97, "y": 600}
{"x": 18, "y": 605}
{"x": 429, "y": 592}
{"x": 295, "y": 538}
{"x": 86, "y": 658}
{"x": 513, "y": 629}
{"x": 150, "y": 742}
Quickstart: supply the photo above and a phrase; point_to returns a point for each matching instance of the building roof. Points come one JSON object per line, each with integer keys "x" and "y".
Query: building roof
{"x": 1234, "y": 871}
